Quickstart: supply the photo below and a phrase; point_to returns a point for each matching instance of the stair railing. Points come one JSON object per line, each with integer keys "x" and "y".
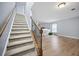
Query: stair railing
{"x": 37, "y": 36}
{"x": 6, "y": 22}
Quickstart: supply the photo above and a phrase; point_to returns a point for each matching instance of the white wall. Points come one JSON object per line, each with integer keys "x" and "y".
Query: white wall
{"x": 69, "y": 27}
{"x": 66, "y": 27}
{"x": 47, "y": 26}
{"x": 5, "y": 8}
{"x": 20, "y": 9}
{"x": 28, "y": 13}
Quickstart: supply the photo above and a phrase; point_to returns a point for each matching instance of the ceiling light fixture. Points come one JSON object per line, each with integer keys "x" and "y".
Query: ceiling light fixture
{"x": 60, "y": 5}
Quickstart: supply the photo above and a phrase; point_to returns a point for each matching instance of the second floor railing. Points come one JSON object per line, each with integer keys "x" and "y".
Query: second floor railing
{"x": 37, "y": 35}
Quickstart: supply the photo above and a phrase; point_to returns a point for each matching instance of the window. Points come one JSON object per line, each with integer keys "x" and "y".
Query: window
{"x": 54, "y": 27}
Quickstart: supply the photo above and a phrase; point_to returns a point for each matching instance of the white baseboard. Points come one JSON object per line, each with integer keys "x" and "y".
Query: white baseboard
{"x": 73, "y": 37}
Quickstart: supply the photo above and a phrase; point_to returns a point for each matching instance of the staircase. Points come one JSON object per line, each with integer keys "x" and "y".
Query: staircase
{"x": 20, "y": 41}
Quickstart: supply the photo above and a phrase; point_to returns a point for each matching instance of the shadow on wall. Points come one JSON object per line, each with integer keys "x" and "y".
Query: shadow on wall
{"x": 5, "y": 9}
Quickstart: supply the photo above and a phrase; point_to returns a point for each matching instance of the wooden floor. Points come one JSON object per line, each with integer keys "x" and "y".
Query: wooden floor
{"x": 60, "y": 46}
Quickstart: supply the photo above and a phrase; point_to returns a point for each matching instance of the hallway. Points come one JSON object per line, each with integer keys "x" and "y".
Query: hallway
{"x": 60, "y": 46}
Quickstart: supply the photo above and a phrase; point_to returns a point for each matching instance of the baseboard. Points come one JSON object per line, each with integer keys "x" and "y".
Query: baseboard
{"x": 73, "y": 37}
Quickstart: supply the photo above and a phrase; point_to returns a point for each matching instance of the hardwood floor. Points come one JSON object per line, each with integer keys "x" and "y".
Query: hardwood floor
{"x": 60, "y": 46}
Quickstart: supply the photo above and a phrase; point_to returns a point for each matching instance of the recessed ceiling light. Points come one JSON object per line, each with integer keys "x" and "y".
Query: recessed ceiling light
{"x": 60, "y": 5}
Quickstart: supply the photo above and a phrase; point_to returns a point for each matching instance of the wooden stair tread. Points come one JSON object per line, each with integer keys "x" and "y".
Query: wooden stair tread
{"x": 19, "y": 42}
{"x": 20, "y": 49}
{"x": 18, "y": 32}
{"x": 19, "y": 36}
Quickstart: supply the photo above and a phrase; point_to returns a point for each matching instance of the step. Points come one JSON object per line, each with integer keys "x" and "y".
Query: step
{"x": 20, "y": 36}
{"x": 15, "y": 29}
{"x": 17, "y": 39}
{"x": 20, "y": 26}
{"x": 18, "y": 50}
{"x": 19, "y": 45}
{"x": 19, "y": 20}
{"x": 30, "y": 52}
{"x": 19, "y": 42}
{"x": 20, "y": 32}
{"x": 19, "y": 23}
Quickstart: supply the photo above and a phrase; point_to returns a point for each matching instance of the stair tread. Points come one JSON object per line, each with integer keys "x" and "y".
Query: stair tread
{"x": 20, "y": 25}
{"x": 17, "y": 39}
{"x": 19, "y": 21}
{"x": 19, "y": 36}
{"x": 17, "y": 32}
{"x": 20, "y": 49}
{"x": 19, "y": 42}
{"x": 30, "y": 54}
{"x": 15, "y": 29}
{"x": 19, "y": 28}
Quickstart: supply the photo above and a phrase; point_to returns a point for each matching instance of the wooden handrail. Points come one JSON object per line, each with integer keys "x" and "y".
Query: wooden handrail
{"x": 38, "y": 41}
{"x": 6, "y": 22}
{"x": 37, "y": 45}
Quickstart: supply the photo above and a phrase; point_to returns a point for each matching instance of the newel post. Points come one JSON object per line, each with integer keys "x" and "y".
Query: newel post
{"x": 40, "y": 48}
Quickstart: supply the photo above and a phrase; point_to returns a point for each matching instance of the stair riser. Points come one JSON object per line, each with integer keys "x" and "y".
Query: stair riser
{"x": 13, "y": 40}
{"x": 19, "y": 44}
{"x": 18, "y": 51}
{"x": 19, "y": 24}
{"x": 20, "y": 33}
{"x": 26, "y": 53}
{"x": 21, "y": 37}
{"x": 20, "y": 27}
{"x": 19, "y": 20}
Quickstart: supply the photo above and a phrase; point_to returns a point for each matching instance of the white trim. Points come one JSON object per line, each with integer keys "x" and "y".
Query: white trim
{"x": 9, "y": 34}
{"x": 27, "y": 21}
{"x": 73, "y": 37}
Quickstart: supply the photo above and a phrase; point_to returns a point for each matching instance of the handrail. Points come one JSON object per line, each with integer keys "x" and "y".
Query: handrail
{"x": 37, "y": 36}
{"x": 5, "y": 24}
{"x": 35, "y": 23}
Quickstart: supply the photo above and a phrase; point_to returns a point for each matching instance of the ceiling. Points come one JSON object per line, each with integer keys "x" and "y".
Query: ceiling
{"x": 49, "y": 12}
